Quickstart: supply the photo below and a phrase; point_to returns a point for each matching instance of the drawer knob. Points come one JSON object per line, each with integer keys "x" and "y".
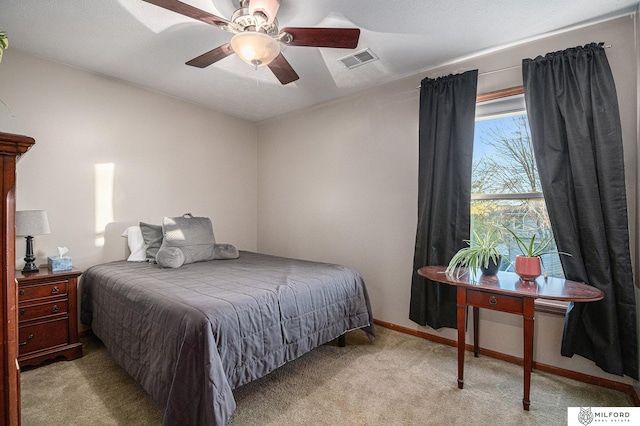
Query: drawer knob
{"x": 22, "y": 292}
{"x": 22, "y": 311}
{"x": 55, "y": 309}
{"x": 493, "y": 301}
{"x": 26, "y": 341}
{"x": 55, "y": 290}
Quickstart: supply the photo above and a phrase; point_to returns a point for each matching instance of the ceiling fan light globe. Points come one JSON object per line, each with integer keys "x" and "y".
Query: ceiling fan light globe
{"x": 254, "y": 48}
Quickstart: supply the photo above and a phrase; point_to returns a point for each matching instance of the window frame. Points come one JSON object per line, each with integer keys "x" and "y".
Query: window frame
{"x": 541, "y": 305}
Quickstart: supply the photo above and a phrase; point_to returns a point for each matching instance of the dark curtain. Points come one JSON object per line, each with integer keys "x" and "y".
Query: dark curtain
{"x": 575, "y": 126}
{"x": 447, "y": 121}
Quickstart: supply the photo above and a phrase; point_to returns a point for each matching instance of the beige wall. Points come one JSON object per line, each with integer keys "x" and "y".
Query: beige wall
{"x": 109, "y": 154}
{"x": 338, "y": 183}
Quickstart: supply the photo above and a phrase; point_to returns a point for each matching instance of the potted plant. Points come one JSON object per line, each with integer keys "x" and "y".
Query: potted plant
{"x": 482, "y": 254}
{"x": 528, "y": 263}
{"x": 4, "y": 43}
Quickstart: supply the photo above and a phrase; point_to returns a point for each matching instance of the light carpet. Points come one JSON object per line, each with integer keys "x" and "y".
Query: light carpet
{"x": 397, "y": 380}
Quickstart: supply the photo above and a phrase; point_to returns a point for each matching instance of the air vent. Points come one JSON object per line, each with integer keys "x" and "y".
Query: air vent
{"x": 358, "y": 58}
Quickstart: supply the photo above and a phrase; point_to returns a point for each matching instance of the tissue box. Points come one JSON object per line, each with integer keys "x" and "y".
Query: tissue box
{"x": 59, "y": 264}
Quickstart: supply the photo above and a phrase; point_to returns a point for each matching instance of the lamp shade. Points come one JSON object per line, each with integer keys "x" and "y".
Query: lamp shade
{"x": 32, "y": 222}
{"x": 257, "y": 49}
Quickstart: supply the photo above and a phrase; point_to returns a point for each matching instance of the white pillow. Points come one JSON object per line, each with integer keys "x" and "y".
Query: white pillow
{"x": 136, "y": 244}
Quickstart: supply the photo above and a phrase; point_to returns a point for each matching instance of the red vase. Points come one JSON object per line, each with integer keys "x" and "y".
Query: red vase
{"x": 528, "y": 268}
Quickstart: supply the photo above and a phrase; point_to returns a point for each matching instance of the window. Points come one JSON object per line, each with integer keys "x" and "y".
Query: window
{"x": 506, "y": 188}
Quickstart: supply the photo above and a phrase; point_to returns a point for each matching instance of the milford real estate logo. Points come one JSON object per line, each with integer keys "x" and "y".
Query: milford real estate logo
{"x": 586, "y": 416}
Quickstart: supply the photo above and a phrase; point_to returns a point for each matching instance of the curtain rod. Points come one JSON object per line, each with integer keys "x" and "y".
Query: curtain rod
{"x": 500, "y": 69}
{"x": 606, "y": 46}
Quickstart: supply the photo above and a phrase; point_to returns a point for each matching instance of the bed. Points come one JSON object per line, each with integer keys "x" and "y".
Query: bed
{"x": 190, "y": 335}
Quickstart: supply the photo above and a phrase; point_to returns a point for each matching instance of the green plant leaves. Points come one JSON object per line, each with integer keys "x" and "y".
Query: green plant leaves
{"x": 482, "y": 249}
{"x": 4, "y": 43}
{"x": 531, "y": 249}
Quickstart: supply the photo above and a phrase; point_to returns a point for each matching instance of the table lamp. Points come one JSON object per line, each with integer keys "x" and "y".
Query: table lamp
{"x": 28, "y": 224}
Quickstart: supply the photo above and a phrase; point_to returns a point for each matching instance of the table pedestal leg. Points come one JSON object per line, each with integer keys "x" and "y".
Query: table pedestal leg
{"x": 528, "y": 316}
{"x": 462, "y": 312}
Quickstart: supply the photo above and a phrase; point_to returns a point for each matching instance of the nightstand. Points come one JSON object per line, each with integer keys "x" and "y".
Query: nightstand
{"x": 47, "y": 316}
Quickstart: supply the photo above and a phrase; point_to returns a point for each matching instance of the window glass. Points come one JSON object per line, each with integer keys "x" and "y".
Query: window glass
{"x": 506, "y": 187}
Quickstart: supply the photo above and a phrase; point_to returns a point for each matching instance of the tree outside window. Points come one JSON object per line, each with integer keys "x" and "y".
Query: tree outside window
{"x": 506, "y": 187}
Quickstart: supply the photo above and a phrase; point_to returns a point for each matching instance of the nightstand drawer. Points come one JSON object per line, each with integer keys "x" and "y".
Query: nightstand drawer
{"x": 44, "y": 335}
{"x": 42, "y": 310}
{"x": 498, "y": 302}
{"x": 31, "y": 292}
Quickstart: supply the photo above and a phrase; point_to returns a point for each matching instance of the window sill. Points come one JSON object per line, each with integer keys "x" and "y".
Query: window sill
{"x": 555, "y": 307}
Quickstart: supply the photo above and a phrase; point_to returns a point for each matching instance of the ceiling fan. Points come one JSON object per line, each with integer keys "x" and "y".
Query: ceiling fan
{"x": 256, "y": 37}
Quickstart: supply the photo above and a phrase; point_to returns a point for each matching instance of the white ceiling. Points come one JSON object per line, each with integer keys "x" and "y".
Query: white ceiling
{"x": 143, "y": 44}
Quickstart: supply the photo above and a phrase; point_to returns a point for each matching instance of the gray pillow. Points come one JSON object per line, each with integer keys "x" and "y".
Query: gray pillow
{"x": 192, "y": 235}
{"x": 225, "y": 251}
{"x": 152, "y": 235}
{"x": 170, "y": 257}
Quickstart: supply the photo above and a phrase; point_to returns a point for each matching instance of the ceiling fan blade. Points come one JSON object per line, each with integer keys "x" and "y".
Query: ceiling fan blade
{"x": 282, "y": 69}
{"x": 190, "y": 11}
{"x": 345, "y": 38}
{"x": 268, "y": 7}
{"x": 211, "y": 56}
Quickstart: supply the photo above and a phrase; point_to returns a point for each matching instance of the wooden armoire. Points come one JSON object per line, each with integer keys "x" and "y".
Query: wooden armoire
{"x": 11, "y": 147}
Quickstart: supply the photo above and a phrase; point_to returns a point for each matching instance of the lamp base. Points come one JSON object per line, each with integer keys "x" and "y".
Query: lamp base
{"x": 29, "y": 259}
{"x": 30, "y": 267}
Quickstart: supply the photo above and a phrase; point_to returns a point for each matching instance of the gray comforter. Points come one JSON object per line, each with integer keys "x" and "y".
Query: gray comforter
{"x": 190, "y": 335}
